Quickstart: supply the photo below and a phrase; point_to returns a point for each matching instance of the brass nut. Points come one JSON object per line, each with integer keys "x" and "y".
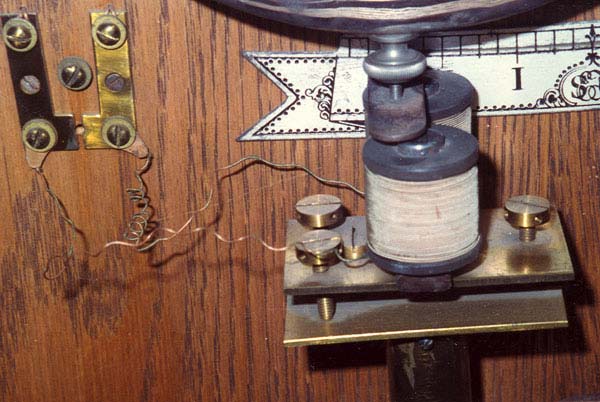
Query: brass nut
{"x": 109, "y": 32}
{"x": 39, "y": 135}
{"x": 118, "y": 132}
{"x": 319, "y": 248}
{"x": 74, "y": 73}
{"x": 526, "y": 213}
{"x": 354, "y": 240}
{"x": 320, "y": 211}
{"x": 19, "y": 35}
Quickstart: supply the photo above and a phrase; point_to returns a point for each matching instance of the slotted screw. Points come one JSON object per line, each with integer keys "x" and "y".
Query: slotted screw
{"x": 108, "y": 34}
{"x": 74, "y": 73}
{"x": 19, "y": 36}
{"x": 118, "y": 135}
{"x": 38, "y": 138}
{"x": 114, "y": 82}
{"x": 30, "y": 85}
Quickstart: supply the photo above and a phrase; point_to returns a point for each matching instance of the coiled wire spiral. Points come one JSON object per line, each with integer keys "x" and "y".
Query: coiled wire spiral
{"x": 138, "y": 223}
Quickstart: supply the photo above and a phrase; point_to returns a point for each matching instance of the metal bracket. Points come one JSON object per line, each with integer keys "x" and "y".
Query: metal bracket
{"x": 115, "y": 126}
{"x": 515, "y": 286}
{"x": 41, "y": 130}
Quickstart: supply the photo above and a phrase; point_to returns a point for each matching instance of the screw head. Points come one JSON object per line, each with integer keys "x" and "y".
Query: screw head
{"x": 118, "y": 135}
{"x": 19, "y": 35}
{"x": 30, "y": 85}
{"x": 38, "y": 138}
{"x": 527, "y": 211}
{"x": 426, "y": 344}
{"x": 118, "y": 132}
{"x": 320, "y": 211}
{"x": 39, "y": 135}
{"x": 114, "y": 82}
{"x": 318, "y": 248}
{"x": 74, "y": 73}
{"x": 109, "y": 32}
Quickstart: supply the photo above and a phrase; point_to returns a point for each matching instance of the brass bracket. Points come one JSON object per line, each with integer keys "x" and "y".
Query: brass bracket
{"x": 115, "y": 126}
{"x": 515, "y": 286}
{"x": 41, "y": 130}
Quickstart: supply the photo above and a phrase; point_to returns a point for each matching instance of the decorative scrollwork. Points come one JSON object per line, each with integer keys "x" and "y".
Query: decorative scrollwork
{"x": 552, "y": 99}
{"x": 593, "y": 56}
{"x": 323, "y": 95}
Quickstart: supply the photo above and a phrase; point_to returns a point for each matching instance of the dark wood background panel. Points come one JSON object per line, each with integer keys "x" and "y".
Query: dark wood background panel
{"x": 197, "y": 319}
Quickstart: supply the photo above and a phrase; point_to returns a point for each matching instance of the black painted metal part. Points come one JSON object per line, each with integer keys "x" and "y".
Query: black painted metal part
{"x": 441, "y": 153}
{"x": 429, "y": 370}
{"x": 37, "y": 105}
{"x": 369, "y": 17}
{"x": 447, "y": 94}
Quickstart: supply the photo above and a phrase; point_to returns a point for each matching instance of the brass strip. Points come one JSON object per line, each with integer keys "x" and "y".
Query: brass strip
{"x": 505, "y": 260}
{"x": 370, "y": 320}
{"x": 112, "y": 103}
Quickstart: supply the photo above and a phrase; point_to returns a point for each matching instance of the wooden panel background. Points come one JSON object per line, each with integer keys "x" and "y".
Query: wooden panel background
{"x": 198, "y": 320}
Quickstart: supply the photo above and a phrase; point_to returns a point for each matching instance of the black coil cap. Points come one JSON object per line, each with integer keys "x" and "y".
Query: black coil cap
{"x": 441, "y": 153}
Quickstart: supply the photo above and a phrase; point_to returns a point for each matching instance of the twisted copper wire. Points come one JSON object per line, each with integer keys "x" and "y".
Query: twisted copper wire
{"x": 138, "y": 223}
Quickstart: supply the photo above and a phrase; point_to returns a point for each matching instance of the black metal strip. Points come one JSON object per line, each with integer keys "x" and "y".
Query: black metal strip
{"x": 39, "y": 105}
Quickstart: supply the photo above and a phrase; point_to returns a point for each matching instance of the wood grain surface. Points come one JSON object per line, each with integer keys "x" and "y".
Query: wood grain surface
{"x": 199, "y": 320}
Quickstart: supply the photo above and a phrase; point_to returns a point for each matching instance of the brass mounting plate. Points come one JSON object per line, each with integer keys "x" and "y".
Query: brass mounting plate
{"x": 369, "y": 306}
{"x": 37, "y": 104}
{"x": 371, "y": 320}
{"x": 112, "y": 102}
{"x": 505, "y": 260}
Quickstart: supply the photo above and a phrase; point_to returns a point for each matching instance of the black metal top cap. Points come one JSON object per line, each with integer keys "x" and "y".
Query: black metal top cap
{"x": 441, "y": 153}
{"x": 447, "y": 93}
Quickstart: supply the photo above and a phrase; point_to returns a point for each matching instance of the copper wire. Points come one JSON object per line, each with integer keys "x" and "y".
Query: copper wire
{"x": 64, "y": 215}
{"x": 139, "y": 238}
{"x": 295, "y": 166}
{"x": 138, "y": 224}
{"x": 350, "y": 261}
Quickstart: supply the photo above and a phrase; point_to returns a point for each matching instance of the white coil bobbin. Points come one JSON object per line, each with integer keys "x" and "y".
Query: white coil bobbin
{"x": 449, "y": 99}
{"x": 423, "y": 203}
{"x": 422, "y": 222}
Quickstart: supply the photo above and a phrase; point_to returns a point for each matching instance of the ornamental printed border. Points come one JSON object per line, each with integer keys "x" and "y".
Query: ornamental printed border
{"x": 516, "y": 71}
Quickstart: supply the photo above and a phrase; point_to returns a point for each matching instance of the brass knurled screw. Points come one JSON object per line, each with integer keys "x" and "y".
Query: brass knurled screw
{"x": 526, "y": 213}
{"x": 319, "y": 249}
{"x": 320, "y": 211}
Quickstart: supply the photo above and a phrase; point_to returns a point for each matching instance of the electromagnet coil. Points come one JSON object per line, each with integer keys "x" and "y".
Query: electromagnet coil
{"x": 423, "y": 203}
{"x": 449, "y": 99}
{"x": 422, "y": 222}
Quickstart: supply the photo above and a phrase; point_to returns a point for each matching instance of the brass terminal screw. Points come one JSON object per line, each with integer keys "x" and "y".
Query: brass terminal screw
{"x": 118, "y": 132}
{"x": 354, "y": 239}
{"x": 526, "y": 213}
{"x": 74, "y": 73}
{"x": 320, "y": 211}
{"x": 319, "y": 248}
{"x": 39, "y": 135}
{"x": 109, "y": 32}
{"x": 326, "y": 307}
{"x": 19, "y": 35}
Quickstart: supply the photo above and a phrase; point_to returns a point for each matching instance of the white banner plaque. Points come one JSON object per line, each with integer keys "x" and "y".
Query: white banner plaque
{"x": 515, "y": 71}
